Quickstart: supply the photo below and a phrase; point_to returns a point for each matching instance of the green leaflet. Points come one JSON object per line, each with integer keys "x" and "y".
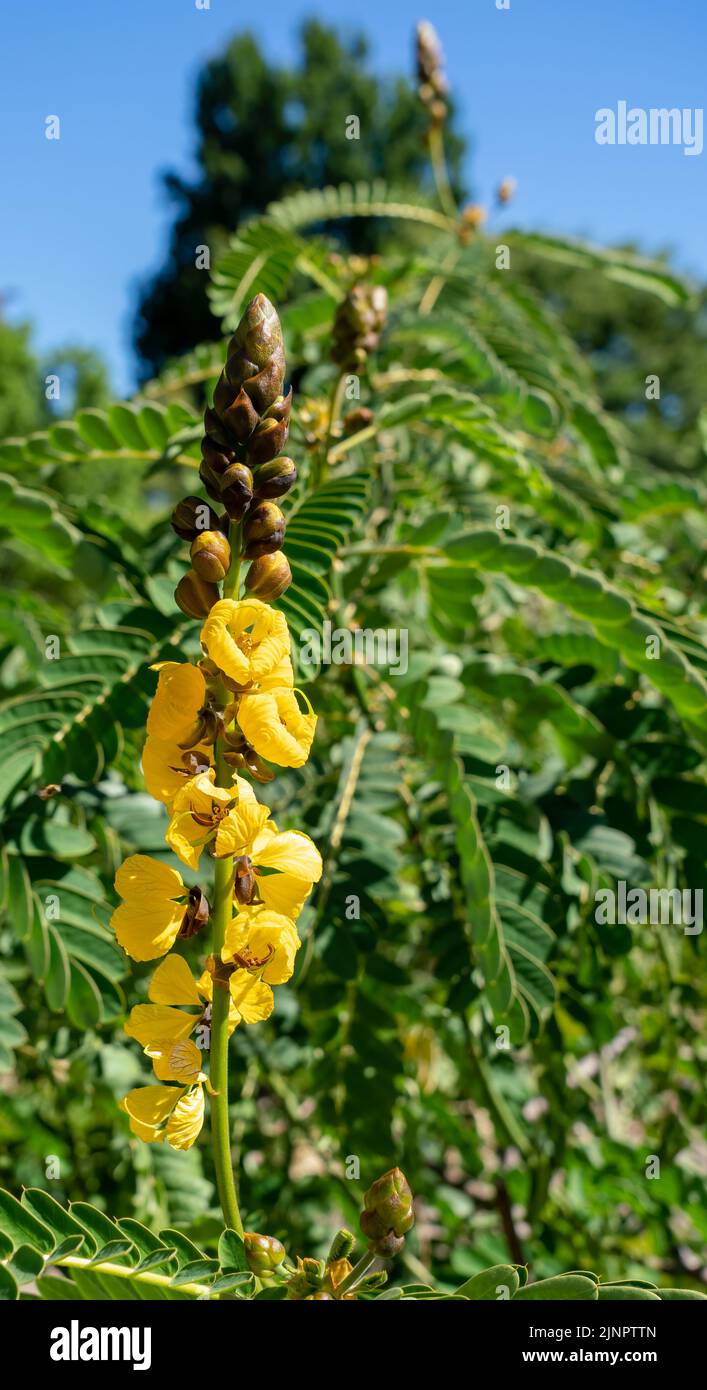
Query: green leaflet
{"x": 613, "y": 616}
{"x": 139, "y": 432}
{"x": 615, "y": 265}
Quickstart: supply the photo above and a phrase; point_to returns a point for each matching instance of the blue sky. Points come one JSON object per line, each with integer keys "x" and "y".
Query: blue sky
{"x": 84, "y": 218}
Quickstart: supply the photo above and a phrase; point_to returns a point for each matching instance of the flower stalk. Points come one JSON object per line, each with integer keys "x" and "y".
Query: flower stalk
{"x": 213, "y": 730}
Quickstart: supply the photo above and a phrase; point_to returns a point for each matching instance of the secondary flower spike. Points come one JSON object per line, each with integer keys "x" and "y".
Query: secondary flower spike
{"x": 432, "y": 85}
{"x": 360, "y": 320}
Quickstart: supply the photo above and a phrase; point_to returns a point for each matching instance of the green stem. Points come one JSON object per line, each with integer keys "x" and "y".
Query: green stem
{"x": 116, "y": 1271}
{"x": 232, "y": 581}
{"x": 357, "y": 1273}
{"x": 220, "y": 917}
{"x": 220, "y": 1125}
{"x": 439, "y": 169}
{"x": 321, "y": 464}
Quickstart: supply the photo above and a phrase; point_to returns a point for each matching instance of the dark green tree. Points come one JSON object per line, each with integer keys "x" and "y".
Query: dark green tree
{"x": 21, "y": 401}
{"x": 24, "y": 403}
{"x": 265, "y": 131}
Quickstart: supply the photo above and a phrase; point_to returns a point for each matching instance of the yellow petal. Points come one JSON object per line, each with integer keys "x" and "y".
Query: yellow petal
{"x": 180, "y": 1061}
{"x": 150, "y": 933}
{"x": 196, "y": 809}
{"x": 163, "y": 768}
{"x": 246, "y": 640}
{"x": 276, "y": 728}
{"x": 173, "y": 983}
{"x": 187, "y": 838}
{"x": 239, "y": 828}
{"x": 180, "y": 694}
{"x": 156, "y": 1023}
{"x": 141, "y": 877}
{"x": 185, "y": 1122}
{"x": 282, "y": 677}
{"x": 298, "y": 864}
{"x": 200, "y": 794}
{"x": 220, "y": 645}
{"x": 148, "y": 1108}
{"x": 264, "y": 942}
{"x": 252, "y": 999}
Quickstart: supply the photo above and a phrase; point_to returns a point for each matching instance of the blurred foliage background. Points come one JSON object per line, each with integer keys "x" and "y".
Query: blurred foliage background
{"x": 530, "y": 755}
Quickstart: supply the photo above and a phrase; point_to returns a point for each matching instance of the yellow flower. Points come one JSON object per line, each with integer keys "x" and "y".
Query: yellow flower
{"x": 177, "y": 703}
{"x": 166, "y": 766}
{"x": 272, "y": 721}
{"x": 171, "y": 1113}
{"x": 280, "y": 867}
{"x": 156, "y": 907}
{"x": 159, "y": 1023}
{"x": 245, "y": 639}
{"x": 263, "y": 943}
{"x": 203, "y": 813}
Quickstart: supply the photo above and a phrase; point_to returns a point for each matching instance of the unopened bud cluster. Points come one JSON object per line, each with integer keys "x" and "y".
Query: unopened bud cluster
{"x": 359, "y": 322}
{"x": 432, "y": 86}
{"x": 242, "y": 468}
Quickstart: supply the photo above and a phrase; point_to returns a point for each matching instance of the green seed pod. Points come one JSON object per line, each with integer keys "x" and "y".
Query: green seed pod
{"x": 263, "y": 530}
{"x": 263, "y": 1253}
{"x": 211, "y": 556}
{"x": 268, "y": 577}
{"x": 195, "y": 596}
{"x": 275, "y": 478}
{"x": 192, "y": 516}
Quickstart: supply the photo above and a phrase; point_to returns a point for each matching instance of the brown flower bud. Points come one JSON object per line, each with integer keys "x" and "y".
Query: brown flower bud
{"x": 51, "y": 789}
{"x": 269, "y": 576}
{"x": 243, "y": 881}
{"x": 505, "y": 191}
{"x": 358, "y": 419}
{"x": 388, "y": 1213}
{"x": 275, "y": 478}
{"x": 263, "y": 1253}
{"x": 192, "y": 516}
{"x": 196, "y": 915}
{"x": 195, "y": 596}
{"x": 263, "y": 530}
{"x": 225, "y": 478}
{"x": 211, "y": 556}
{"x": 270, "y": 436}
